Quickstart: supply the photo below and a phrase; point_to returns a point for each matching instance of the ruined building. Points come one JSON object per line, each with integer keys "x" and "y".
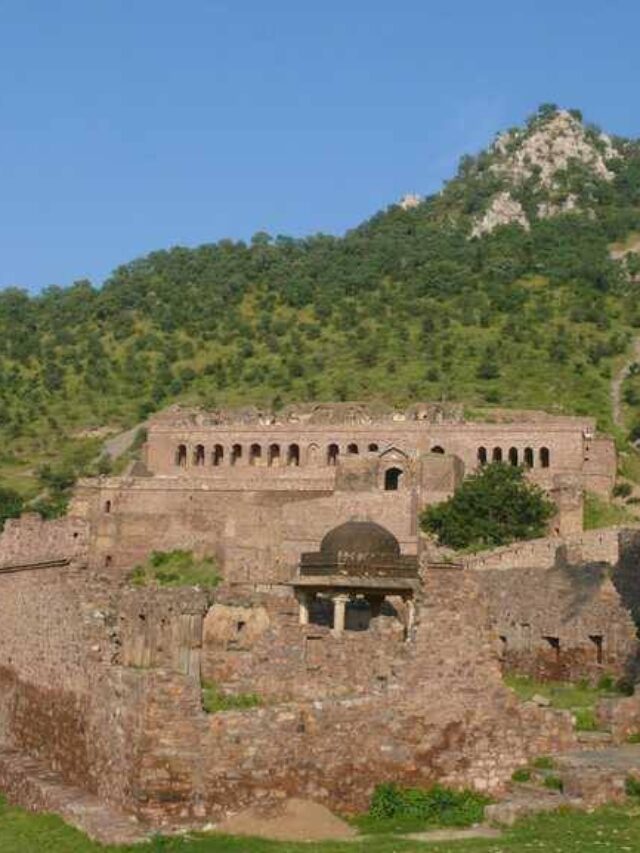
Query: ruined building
{"x": 371, "y": 657}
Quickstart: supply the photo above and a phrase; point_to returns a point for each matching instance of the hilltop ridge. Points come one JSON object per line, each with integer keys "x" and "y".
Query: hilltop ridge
{"x": 501, "y": 290}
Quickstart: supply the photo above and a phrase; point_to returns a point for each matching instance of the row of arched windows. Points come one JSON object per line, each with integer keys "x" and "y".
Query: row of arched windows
{"x": 274, "y": 454}
{"x": 513, "y": 456}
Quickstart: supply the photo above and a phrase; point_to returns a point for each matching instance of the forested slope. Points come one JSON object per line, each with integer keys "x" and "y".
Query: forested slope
{"x": 530, "y": 313}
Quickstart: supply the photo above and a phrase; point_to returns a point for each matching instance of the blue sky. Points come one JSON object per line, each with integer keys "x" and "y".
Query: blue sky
{"x": 133, "y": 125}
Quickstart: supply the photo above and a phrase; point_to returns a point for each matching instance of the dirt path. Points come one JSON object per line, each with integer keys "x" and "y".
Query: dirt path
{"x": 118, "y": 444}
{"x": 618, "y": 379}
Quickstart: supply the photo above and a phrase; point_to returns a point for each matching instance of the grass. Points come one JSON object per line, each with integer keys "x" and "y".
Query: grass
{"x": 579, "y": 698}
{"x": 213, "y": 700}
{"x": 601, "y": 513}
{"x": 174, "y": 569}
{"x": 609, "y": 829}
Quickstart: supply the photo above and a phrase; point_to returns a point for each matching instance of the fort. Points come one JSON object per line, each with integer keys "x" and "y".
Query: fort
{"x": 373, "y": 655}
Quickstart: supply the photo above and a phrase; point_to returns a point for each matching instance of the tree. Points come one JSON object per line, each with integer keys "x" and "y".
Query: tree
{"x": 496, "y": 506}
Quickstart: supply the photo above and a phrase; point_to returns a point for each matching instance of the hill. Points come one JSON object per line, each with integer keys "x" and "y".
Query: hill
{"x": 514, "y": 286}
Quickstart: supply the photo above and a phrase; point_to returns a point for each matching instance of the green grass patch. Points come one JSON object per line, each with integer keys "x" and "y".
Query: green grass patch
{"x": 568, "y": 696}
{"x": 609, "y": 829}
{"x": 213, "y": 700}
{"x": 174, "y": 569}
{"x": 601, "y": 513}
{"x": 586, "y": 720}
{"x": 397, "y": 809}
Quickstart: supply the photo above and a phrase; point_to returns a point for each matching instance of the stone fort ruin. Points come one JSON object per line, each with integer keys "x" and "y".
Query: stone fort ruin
{"x": 375, "y": 656}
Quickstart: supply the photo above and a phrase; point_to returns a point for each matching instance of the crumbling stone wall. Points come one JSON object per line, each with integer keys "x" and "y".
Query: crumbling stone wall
{"x": 566, "y": 622}
{"x": 254, "y": 643}
{"x": 448, "y": 718}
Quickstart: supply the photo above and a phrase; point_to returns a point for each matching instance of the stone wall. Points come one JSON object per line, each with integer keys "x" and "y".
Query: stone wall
{"x": 563, "y": 619}
{"x": 29, "y": 539}
{"x": 447, "y": 717}
{"x": 590, "y": 546}
{"x": 254, "y": 643}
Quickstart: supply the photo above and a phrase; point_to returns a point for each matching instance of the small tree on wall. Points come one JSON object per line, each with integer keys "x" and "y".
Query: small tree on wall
{"x": 493, "y": 507}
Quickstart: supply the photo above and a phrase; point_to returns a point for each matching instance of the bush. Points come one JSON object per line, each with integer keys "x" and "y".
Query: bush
{"x": 554, "y": 783}
{"x": 521, "y": 775}
{"x": 632, "y": 787}
{"x": 11, "y": 505}
{"x": 493, "y": 507}
{"x": 437, "y": 805}
{"x": 622, "y": 490}
{"x": 543, "y": 762}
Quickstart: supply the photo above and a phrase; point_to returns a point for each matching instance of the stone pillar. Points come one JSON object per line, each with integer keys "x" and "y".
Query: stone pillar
{"x": 304, "y": 600}
{"x": 411, "y": 616}
{"x": 339, "y": 612}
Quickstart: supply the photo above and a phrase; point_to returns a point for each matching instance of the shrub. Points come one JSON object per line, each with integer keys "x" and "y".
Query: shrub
{"x": 632, "y": 786}
{"x": 543, "y": 762}
{"x": 493, "y": 507}
{"x": 11, "y": 505}
{"x": 554, "y": 783}
{"x": 523, "y": 774}
{"x": 634, "y": 738}
{"x": 622, "y": 490}
{"x": 436, "y": 805}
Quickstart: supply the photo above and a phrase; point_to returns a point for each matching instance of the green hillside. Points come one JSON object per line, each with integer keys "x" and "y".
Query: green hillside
{"x": 407, "y": 305}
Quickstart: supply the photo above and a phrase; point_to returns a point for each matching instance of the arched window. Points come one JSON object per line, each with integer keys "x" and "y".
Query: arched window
{"x": 236, "y": 453}
{"x": 218, "y": 455}
{"x": 528, "y": 457}
{"x": 545, "y": 457}
{"x": 107, "y": 506}
{"x": 437, "y": 449}
{"x": 274, "y": 454}
{"x": 392, "y": 479}
{"x": 333, "y": 451}
{"x": 293, "y": 455}
{"x": 513, "y": 456}
{"x": 352, "y": 449}
{"x": 198, "y": 454}
{"x": 312, "y": 454}
{"x": 181, "y": 455}
{"x": 482, "y": 455}
{"x": 373, "y": 448}
{"x": 255, "y": 454}
{"x": 497, "y": 454}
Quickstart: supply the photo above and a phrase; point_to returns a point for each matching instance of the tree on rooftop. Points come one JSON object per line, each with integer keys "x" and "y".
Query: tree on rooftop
{"x": 493, "y": 507}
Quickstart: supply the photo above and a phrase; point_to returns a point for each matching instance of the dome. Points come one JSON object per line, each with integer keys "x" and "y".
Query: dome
{"x": 360, "y": 537}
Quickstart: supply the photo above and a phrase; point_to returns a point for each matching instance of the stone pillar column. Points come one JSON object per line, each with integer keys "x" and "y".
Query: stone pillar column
{"x": 304, "y": 600}
{"x": 339, "y": 612}
{"x": 411, "y": 616}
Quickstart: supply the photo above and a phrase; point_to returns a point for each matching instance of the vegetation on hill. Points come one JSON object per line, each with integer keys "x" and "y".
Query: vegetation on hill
{"x": 493, "y": 507}
{"x": 176, "y": 568}
{"x": 405, "y": 306}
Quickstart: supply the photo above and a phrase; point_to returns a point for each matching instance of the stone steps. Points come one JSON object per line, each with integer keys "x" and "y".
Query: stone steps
{"x": 28, "y": 783}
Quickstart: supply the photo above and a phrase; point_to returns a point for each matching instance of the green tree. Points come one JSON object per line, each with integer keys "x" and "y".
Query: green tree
{"x": 496, "y": 506}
